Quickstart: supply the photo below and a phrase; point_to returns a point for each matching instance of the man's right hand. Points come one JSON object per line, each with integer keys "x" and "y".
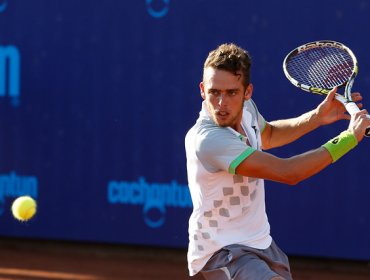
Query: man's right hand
{"x": 358, "y": 124}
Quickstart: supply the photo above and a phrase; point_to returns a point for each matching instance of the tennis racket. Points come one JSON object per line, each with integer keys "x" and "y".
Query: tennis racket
{"x": 320, "y": 66}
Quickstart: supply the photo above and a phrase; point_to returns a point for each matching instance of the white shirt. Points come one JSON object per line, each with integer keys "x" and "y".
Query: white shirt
{"x": 228, "y": 208}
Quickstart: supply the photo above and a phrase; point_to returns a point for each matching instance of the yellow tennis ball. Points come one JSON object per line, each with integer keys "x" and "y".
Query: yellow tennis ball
{"x": 24, "y": 208}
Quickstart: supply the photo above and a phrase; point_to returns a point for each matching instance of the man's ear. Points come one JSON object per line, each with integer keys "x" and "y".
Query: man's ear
{"x": 201, "y": 86}
{"x": 248, "y": 92}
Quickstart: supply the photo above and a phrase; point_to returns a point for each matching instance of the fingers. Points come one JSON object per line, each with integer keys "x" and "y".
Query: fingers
{"x": 363, "y": 118}
{"x": 359, "y": 123}
{"x": 362, "y": 113}
{"x": 331, "y": 94}
{"x": 356, "y": 96}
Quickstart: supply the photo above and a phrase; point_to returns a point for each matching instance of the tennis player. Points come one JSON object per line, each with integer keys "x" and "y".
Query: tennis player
{"x": 229, "y": 232}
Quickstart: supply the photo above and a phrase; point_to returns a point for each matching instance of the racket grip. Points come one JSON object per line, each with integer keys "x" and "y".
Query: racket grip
{"x": 352, "y": 108}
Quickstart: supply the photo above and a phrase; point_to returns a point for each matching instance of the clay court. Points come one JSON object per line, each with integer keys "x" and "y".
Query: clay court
{"x": 42, "y": 260}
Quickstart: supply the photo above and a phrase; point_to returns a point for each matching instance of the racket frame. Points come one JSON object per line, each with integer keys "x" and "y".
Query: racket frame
{"x": 323, "y": 91}
{"x": 346, "y": 98}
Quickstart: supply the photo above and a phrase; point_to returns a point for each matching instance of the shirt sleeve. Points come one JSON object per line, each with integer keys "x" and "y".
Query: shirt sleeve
{"x": 220, "y": 149}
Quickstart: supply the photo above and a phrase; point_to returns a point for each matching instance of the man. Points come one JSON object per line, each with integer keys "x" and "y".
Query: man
{"x": 229, "y": 233}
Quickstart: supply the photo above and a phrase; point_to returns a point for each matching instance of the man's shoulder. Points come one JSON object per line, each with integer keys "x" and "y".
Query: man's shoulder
{"x": 206, "y": 138}
{"x": 206, "y": 128}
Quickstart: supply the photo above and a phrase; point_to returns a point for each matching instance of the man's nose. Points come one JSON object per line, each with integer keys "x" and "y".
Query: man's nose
{"x": 222, "y": 99}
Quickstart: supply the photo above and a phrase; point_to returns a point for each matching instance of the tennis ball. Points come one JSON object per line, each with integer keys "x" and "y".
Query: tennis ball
{"x": 24, "y": 208}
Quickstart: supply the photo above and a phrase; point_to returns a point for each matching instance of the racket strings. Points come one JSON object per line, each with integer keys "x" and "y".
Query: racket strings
{"x": 324, "y": 67}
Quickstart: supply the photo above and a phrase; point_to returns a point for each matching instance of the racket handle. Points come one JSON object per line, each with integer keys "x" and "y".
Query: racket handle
{"x": 352, "y": 108}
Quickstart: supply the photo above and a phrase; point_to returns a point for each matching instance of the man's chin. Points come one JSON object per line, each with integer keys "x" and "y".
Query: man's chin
{"x": 222, "y": 124}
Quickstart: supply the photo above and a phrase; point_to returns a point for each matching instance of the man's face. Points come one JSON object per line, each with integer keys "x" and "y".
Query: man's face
{"x": 224, "y": 95}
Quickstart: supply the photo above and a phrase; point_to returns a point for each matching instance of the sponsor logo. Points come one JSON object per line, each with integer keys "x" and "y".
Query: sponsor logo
{"x": 154, "y": 197}
{"x": 157, "y": 8}
{"x": 320, "y": 44}
{"x": 10, "y": 73}
{"x": 13, "y": 186}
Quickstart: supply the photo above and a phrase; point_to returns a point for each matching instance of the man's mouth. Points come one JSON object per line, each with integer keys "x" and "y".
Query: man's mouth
{"x": 222, "y": 113}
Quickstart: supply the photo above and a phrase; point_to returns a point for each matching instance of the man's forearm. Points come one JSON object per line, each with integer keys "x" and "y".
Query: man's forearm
{"x": 282, "y": 132}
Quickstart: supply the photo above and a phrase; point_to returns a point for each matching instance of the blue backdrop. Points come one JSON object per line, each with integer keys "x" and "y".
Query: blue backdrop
{"x": 97, "y": 96}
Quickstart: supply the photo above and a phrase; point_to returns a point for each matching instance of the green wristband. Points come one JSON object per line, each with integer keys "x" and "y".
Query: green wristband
{"x": 340, "y": 145}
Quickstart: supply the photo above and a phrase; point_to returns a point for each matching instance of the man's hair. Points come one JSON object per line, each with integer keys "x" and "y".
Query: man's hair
{"x": 231, "y": 58}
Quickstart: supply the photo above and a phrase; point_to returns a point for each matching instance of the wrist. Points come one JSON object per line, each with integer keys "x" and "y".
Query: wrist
{"x": 316, "y": 119}
{"x": 340, "y": 145}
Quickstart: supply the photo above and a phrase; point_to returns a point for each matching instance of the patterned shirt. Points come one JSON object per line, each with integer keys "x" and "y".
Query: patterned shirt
{"x": 227, "y": 208}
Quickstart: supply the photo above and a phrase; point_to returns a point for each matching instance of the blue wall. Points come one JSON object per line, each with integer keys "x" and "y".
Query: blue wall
{"x": 96, "y": 98}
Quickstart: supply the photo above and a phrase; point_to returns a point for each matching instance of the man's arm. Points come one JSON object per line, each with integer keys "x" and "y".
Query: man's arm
{"x": 282, "y": 132}
{"x": 288, "y": 171}
{"x": 297, "y": 168}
